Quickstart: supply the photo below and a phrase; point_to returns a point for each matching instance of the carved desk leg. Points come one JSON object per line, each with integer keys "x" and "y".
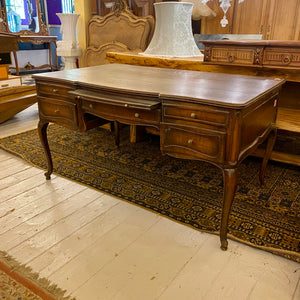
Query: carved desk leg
{"x": 42, "y": 129}
{"x": 270, "y": 144}
{"x": 230, "y": 183}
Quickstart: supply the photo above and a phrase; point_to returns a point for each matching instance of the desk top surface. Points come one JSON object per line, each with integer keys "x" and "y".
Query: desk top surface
{"x": 221, "y": 89}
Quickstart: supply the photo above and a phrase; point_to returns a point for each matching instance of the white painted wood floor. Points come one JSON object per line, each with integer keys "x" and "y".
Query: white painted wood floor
{"x": 99, "y": 247}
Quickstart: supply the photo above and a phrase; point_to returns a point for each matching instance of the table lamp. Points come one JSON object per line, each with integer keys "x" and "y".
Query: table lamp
{"x": 173, "y": 36}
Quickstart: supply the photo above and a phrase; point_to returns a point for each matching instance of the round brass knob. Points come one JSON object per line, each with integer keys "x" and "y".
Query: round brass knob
{"x": 190, "y": 141}
{"x": 54, "y": 90}
{"x": 136, "y": 115}
{"x": 91, "y": 106}
{"x": 77, "y": 97}
{"x": 193, "y": 115}
{"x": 56, "y": 111}
{"x": 126, "y": 105}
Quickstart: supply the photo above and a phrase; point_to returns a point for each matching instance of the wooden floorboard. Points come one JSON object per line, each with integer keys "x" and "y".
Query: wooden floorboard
{"x": 98, "y": 247}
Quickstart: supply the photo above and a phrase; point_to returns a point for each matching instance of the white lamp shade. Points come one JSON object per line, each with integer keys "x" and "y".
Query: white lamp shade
{"x": 68, "y": 26}
{"x": 173, "y": 36}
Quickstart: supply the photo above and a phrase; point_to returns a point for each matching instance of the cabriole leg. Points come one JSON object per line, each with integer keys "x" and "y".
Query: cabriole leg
{"x": 230, "y": 183}
{"x": 42, "y": 129}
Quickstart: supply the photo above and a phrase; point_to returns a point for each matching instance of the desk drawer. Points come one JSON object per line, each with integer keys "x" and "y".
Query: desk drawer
{"x": 58, "y": 111}
{"x": 122, "y": 113}
{"x": 56, "y": 91}
{"x": 193, "y": 143}
{"x": 281, "y": 57}
{"x": 195, "y": 115}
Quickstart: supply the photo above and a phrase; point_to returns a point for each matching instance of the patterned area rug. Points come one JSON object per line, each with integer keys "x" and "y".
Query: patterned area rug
{"x": 18, "y": 282}
{"x": 267, "y": 217}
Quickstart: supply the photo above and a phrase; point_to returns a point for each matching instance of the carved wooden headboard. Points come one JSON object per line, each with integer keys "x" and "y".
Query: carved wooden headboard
{"x": 120, "y": 31}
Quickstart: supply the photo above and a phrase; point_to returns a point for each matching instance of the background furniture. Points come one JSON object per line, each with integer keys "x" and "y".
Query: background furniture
{"x": 8, "y": 43}
{"x": 201, "y": 116}
{"x": 16, "y": 99}
{"x": 283, "y": 56}
{"x": 274, "y": 19}
{"x": 30, "y": 28}
{"x": 13, "y": 96}
{"x": 120, "y": 31}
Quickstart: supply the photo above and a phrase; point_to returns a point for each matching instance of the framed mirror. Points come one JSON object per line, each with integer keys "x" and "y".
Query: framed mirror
{"x": 25, "y": 17}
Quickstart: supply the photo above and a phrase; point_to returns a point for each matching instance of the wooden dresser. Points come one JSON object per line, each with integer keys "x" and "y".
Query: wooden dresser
{"x": 256, "y": 53}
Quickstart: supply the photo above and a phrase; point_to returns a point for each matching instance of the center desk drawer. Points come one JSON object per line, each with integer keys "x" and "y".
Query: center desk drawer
{"x": 122, "y": 108}
{"x": 58, "y": 111}
{"x": 195, "y": 115}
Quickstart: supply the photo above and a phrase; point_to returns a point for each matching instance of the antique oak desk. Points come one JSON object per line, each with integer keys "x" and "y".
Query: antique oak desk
{"x": 218, "y": 118}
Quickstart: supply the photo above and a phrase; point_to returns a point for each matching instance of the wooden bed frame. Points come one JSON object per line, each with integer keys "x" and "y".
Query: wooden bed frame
{"x": 120, "y": 31}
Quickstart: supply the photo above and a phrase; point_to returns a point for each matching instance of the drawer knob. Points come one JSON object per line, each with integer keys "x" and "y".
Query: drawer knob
{"x": 126, "y": 105}
{"x": 91, "y": 106}
{"x": 286, "y": 59}
{"x": 230, "y": 58}
{"x": 193, "y": 115}
{"x": 190, "y": 141}
{"x": 77, "y": 97}
{"x": 54, "y": 90}
{"x": 136, "y": 115}
{"x": 56, "y": 111}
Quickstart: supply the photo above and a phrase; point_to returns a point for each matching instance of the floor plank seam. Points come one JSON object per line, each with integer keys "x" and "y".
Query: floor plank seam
{"x": 120, "y": 252}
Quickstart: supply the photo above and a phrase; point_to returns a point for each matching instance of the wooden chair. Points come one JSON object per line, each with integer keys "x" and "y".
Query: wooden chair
{"x": 120, "y": 31}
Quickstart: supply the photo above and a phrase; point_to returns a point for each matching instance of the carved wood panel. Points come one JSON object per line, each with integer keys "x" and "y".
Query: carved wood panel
{"x": 283, "y": 23}
{"x": 275, "y": 19}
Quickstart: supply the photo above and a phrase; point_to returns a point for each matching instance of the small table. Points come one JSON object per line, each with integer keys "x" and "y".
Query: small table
{"x": 218, "y": 118}
{"x": 37, "y": 40}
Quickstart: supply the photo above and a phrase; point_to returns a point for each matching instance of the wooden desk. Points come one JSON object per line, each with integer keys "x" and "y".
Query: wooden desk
{"x": 288, "y": 118}
{"x": 218, "y": 118}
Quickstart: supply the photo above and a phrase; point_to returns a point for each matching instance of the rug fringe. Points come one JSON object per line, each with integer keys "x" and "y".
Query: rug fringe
{"x": 27, "y": 272}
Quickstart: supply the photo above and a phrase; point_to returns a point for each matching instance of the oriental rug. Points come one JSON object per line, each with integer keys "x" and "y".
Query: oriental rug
{"x": 190, "y": 192}
{"x": 18, "y": 282}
